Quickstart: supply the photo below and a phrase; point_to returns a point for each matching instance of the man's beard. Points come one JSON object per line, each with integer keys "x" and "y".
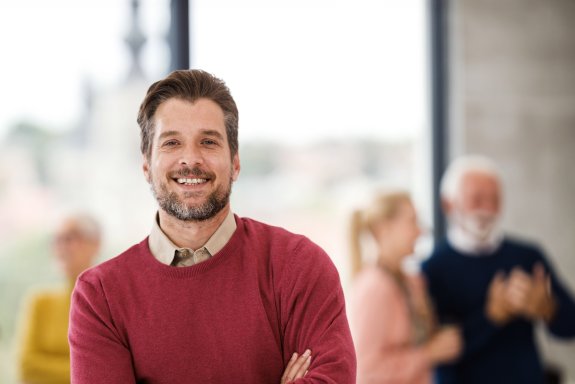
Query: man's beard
{"x": 475, "y": 233}
{"x": 171, "y": 203}
{"x": 479, "y": 225}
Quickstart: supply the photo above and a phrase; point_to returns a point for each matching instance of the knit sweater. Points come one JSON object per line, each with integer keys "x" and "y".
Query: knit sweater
{"x": 235, "y": 318}
{"x": 44, "y": 356}
{"x": 492, "y": 354}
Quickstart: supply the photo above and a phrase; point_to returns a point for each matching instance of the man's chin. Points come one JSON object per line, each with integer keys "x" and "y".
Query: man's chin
{"x": 193, "y": 212}
{"x": 193, "y": 195}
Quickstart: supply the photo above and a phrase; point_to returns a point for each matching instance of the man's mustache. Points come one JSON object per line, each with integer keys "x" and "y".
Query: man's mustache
{"x": 195, "y": 171}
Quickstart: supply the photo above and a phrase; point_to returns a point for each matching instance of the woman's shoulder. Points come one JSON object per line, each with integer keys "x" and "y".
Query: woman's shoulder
{"x": 374, "y": 281}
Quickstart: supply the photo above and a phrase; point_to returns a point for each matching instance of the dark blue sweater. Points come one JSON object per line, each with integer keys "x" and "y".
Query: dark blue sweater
{"x": 459, "y": 283}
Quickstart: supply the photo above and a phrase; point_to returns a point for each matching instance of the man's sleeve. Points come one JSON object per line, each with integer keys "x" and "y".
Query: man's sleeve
{"x": 97, "y": 352}
{"x": 563, "y": 322}
{"x": 313, "y": 316}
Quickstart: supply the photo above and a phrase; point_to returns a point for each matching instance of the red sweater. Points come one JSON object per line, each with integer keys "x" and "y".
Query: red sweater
{"x": 235, "y": 318}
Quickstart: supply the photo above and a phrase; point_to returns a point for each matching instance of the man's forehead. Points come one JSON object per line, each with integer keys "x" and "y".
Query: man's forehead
{"x": 68, "y": 225}
{"x": 478, "y": 181}
{"x": 176, "y": 113}
{"x": 480, "y": 176}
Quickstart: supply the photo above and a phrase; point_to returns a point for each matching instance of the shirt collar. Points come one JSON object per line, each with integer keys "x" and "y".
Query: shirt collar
{"x": 164, "y": 249}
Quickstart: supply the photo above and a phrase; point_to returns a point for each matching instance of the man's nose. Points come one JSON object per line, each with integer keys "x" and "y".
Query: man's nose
{"x": 191, "y": 156}
{"x": 489, "y": 205}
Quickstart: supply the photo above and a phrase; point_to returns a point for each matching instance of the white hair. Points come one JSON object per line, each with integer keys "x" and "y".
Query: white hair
{"x": 451, "y": 180}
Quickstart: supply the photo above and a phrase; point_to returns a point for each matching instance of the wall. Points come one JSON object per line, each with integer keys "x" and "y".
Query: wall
{"x": 512, "y": 97}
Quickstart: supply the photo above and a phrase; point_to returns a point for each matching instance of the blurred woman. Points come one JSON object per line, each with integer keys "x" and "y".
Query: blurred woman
{"x": 392, "y": 321}
{"x": 44, "y": 355}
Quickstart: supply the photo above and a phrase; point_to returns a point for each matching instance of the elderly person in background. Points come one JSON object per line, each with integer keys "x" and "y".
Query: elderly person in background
{"x": 393, "y": 325}
{"x": 495, "y": 287}
{"x": 44, "y": 355}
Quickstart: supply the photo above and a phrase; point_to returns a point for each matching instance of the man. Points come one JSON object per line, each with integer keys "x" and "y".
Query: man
{"x": 208, "y": 297}
{"x": 497, "y": 288}
{"x": 44, "y": 355}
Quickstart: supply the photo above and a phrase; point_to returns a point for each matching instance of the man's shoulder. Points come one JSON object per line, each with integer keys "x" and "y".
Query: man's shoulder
{"x": 523, "y": 251}
{"x": 117, "y": 265}
{"x": 282, "y": 245}
{"x": 441, "y": 251}
{"x": 274, "y": 235}
{"x": 522, "y": 244}
{"x": 441, "y": 260}
{"x": 252, "y": 225}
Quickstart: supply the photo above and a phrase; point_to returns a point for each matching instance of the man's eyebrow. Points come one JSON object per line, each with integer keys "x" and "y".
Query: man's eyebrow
{"x": 167, "y": 134}
{"x": 207, "y": 132}
{"x": 212, "y": 132}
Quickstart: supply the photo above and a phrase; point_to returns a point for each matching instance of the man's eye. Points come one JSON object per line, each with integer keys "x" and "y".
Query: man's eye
{"x": 209, "y": 142}
{"x": 170, "y": 143}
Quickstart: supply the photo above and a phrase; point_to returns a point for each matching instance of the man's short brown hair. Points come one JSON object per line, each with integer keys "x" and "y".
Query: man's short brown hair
{"x": 189, "y": 85}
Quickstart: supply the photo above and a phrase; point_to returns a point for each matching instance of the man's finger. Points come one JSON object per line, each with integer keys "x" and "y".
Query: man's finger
{"x": 288, "y": 368}
{"x": 519, "y": 281}
{"x": 301, "y": 372}
{"x": 539, "y": 273}
{"x": 498, "y": 281}
{"x": 297, "y": 367}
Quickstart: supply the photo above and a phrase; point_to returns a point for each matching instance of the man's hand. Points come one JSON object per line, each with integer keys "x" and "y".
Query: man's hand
{"x": 497, "y": 307}
{"x": 297, "y": 367}
{"x": 540, "y": 304}
{"x": 518, "y": 292}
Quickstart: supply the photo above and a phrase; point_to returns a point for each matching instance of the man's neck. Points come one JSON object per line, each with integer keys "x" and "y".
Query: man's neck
{"x": 191, "y": 234}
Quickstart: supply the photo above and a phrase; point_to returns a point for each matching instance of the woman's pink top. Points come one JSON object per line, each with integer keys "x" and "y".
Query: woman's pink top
{"x": 383, "y": 332}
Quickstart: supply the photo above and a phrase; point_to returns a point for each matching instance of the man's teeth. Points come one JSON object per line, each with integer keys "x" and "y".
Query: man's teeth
{"x": 191, "y": 181}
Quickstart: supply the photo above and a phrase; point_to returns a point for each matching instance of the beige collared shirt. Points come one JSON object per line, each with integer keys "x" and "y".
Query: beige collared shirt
{"x": 166, "y": 252}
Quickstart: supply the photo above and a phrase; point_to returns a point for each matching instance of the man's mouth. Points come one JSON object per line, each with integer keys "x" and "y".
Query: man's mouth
{"x": 190, "y": 181}
{"x": 191, "y": 176}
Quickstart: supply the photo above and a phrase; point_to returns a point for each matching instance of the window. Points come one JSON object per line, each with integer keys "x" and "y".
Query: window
{"x": 332, "y": 98}
{"x": 333, "y": 104}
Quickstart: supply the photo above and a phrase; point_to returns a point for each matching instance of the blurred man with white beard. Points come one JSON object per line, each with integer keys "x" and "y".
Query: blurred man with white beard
{"x": 496, "y": 288}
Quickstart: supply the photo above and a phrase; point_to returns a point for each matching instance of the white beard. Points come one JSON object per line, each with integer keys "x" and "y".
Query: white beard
{"x": 477, "y": 234}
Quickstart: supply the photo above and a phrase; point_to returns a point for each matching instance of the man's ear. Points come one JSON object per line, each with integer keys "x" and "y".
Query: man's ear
{"x": 447, "y": 206}
{"x": 235, "y": 166}
{"x": 146, "y": 168}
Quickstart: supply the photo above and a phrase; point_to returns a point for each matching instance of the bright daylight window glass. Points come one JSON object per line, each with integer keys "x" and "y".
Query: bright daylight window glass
{"x": 68, "y": 135}
{"x": 333, "y": 105}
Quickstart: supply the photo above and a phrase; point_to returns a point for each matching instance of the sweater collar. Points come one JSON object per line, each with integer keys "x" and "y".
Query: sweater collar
{"x": 163, "y": 249}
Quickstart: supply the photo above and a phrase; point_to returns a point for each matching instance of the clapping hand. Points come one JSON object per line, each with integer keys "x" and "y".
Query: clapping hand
{"x": 520, "y": 294}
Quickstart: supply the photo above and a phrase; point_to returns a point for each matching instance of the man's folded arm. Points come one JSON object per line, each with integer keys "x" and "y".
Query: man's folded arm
{"x": 97, "y": 352}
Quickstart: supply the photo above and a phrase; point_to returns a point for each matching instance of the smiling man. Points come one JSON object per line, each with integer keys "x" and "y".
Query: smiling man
{"x": 207, "y": 297}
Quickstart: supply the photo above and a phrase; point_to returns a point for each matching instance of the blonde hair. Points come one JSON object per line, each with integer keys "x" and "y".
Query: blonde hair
{"x": 384, "y": 207}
